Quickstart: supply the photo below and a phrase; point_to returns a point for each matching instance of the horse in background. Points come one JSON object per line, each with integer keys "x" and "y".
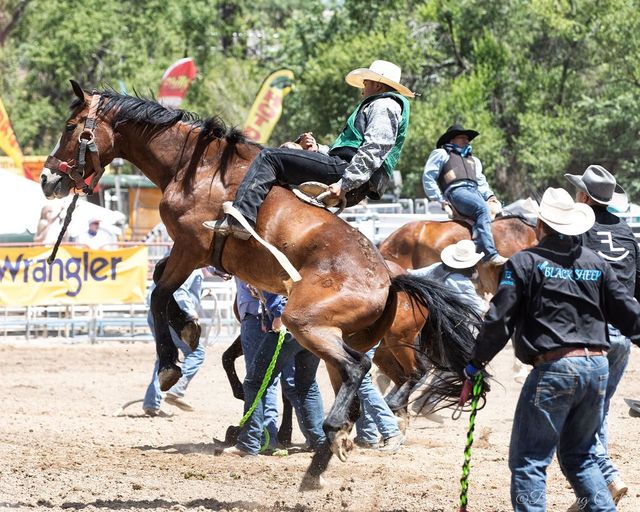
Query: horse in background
{"x": 346, "y": 299}
{"x": 419, "y": 244}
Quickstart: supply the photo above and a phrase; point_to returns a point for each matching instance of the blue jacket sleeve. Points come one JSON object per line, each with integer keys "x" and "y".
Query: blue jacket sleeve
{"x": 483, "y": 186}
{"x": 188, "y": 295}
{"x": 275, "y": 304}
{"x": 432, "y": 168}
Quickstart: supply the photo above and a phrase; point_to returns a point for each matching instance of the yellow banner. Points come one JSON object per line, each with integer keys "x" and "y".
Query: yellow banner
{"x": 8, "y": 142}
{"x": 76, "y": 276}
{"x": 267, "y": 107}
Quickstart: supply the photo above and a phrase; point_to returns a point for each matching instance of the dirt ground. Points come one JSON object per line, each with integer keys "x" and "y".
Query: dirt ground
{"x": 62, "y": 448}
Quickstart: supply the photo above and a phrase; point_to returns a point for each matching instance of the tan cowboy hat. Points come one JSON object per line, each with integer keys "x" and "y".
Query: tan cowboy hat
{"x": 461, "y": 254}
{"x": 380, "y": 71}
{"x": 560, "y": 212}
{"x": 600, "y": 185}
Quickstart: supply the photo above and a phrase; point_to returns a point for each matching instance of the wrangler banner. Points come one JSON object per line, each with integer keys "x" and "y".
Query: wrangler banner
{"x": 267, "y": 107}
{"x": 76, "y": 276}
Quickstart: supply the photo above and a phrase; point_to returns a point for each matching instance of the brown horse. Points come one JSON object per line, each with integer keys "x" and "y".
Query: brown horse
{"x": 419, "y": 244}
{"x": 346, "y": 299}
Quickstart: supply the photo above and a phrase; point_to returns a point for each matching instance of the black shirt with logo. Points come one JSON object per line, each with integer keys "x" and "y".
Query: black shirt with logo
{"x": 555, "y": 295}
{"x": 612, "y": 239}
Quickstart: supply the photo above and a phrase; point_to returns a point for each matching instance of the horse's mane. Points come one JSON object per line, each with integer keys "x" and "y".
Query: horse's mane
{"x": 156, "y": 118}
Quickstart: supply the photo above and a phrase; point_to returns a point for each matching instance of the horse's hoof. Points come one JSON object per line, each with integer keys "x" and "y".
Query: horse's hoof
{"x": 341, "y": 445}
{"x": 190, "y": 334}
{"x": 167, "y": 377}
{"x": 231, "y": 436}
{"x": 312, "y": 483}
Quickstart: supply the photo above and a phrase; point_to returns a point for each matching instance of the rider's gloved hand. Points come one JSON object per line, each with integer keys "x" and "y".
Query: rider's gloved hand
{"x": 470, "y": 371}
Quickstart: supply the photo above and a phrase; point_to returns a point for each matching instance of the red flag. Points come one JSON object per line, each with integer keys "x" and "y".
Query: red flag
{"x": 175, "y": 82}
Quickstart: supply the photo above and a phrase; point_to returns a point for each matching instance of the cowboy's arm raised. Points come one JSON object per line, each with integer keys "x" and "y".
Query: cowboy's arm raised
{"x": 432, "y": 168}
{"x": 383, "y": 118}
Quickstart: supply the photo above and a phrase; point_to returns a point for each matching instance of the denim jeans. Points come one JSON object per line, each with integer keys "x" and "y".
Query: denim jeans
{"x": 468, "y": 202}
{"x": 285, "y": 167}
{"x": 313, "y": 397}
{"x": 251, "y": 336}
{"x": 560, "y": 407}
{"x": 375, "y": 415}
{"x": 310, "y": 409}
{"x": 193, "y": 360}
{"x": 618, "y": 356}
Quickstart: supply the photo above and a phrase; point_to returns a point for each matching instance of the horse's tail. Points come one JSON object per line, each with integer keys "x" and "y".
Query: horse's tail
{"x": 448, "y": 337}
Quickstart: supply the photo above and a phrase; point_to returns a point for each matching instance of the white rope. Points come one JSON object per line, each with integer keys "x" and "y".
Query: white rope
{"x": 229, "y": 209}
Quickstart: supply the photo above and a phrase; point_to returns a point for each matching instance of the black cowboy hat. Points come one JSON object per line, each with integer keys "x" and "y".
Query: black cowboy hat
{"x": 454, "y": 131}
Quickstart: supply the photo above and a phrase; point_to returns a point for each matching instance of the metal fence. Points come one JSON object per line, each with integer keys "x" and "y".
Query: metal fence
{"x": 129, "y": 322}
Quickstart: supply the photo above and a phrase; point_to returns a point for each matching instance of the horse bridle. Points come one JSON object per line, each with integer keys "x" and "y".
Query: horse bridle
{"x": 76, "y": 171}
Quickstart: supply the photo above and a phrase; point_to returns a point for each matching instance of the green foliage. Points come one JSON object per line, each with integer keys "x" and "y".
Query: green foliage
{"x": 551, "y": 86}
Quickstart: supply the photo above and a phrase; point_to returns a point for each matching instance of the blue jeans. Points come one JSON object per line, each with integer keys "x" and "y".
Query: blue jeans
{"x": 307, "y": 392}
{"x": 375, "y": 415}
{"x": 560, "y": 407}
{"x": 469, "y": 203}
{"x": 618, "y": 356}
{"x": 193, "y": 360}
{"x": 251, "y": 337}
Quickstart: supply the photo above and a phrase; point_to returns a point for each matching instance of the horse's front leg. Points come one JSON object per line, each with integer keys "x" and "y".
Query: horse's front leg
{"x": 175, "y": 272}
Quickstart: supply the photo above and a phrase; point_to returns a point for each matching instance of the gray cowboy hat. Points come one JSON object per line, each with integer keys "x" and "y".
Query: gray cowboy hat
{"x": 634, "y": 407}
{"x": 454, "y": 131}
{"x": 600, "y": 185}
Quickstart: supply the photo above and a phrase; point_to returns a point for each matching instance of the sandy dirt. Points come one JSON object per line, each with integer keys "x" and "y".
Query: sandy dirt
{"x": 62, "y": 448}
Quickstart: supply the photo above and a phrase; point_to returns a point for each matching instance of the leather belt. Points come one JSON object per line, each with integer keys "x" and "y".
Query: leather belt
{"x": 559, "y": 353}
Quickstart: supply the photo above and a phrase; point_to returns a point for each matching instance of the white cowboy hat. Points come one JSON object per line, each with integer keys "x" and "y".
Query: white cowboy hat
{"x": 600, "y": 185}
{"x": 380, "y": 71}
{"x": 560, "y": 212}
{"x": 461, "y": 255}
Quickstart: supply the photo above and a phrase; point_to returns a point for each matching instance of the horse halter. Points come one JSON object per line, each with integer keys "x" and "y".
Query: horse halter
{"x": 87, "y": 142}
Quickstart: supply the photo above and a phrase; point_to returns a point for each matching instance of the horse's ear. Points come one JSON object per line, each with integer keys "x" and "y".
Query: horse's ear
{"x": 77, "y": 89}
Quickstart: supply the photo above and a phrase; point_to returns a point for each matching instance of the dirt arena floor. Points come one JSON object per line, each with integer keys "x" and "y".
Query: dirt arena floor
{"x": 62, "y": 448}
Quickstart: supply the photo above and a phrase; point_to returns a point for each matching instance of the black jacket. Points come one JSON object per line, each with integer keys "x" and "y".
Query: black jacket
{"x": 555, "y": 295}
{"x": 612, "y": 239}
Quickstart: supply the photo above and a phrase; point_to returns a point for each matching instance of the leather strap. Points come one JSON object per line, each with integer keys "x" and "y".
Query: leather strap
{"x": 559, "y": 353}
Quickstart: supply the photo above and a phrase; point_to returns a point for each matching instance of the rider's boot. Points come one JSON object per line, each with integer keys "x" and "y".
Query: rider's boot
{"x": 228, "y": 226}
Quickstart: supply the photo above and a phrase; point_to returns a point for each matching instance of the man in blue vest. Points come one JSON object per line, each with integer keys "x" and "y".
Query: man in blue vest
{"x": 358, "y": 164}
{"x": 453, "y": 175}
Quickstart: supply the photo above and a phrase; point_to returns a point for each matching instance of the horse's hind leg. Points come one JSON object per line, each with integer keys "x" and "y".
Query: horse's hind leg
{"x": 229, "y": 357}
{"x": 347, "y": 368}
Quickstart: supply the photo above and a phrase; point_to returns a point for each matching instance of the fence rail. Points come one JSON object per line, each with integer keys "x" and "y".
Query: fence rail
{"x": 129, "y": 322}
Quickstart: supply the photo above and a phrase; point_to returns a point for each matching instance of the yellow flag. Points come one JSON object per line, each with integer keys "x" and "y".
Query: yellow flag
{"x": 267, "y": 107}
{"x": 8, "y": 142}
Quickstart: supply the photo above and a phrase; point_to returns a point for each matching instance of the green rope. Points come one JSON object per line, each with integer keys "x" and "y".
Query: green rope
{"x": 267, "y": 377}
{"x": 464, "y": 480}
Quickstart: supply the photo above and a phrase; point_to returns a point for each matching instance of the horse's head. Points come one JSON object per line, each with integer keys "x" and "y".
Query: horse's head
{"x": 85, "y": 147}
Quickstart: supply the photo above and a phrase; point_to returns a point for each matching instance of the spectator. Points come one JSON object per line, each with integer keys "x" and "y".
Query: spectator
{"x": 95, "y": 237}
{"x": 188, "y": 299}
